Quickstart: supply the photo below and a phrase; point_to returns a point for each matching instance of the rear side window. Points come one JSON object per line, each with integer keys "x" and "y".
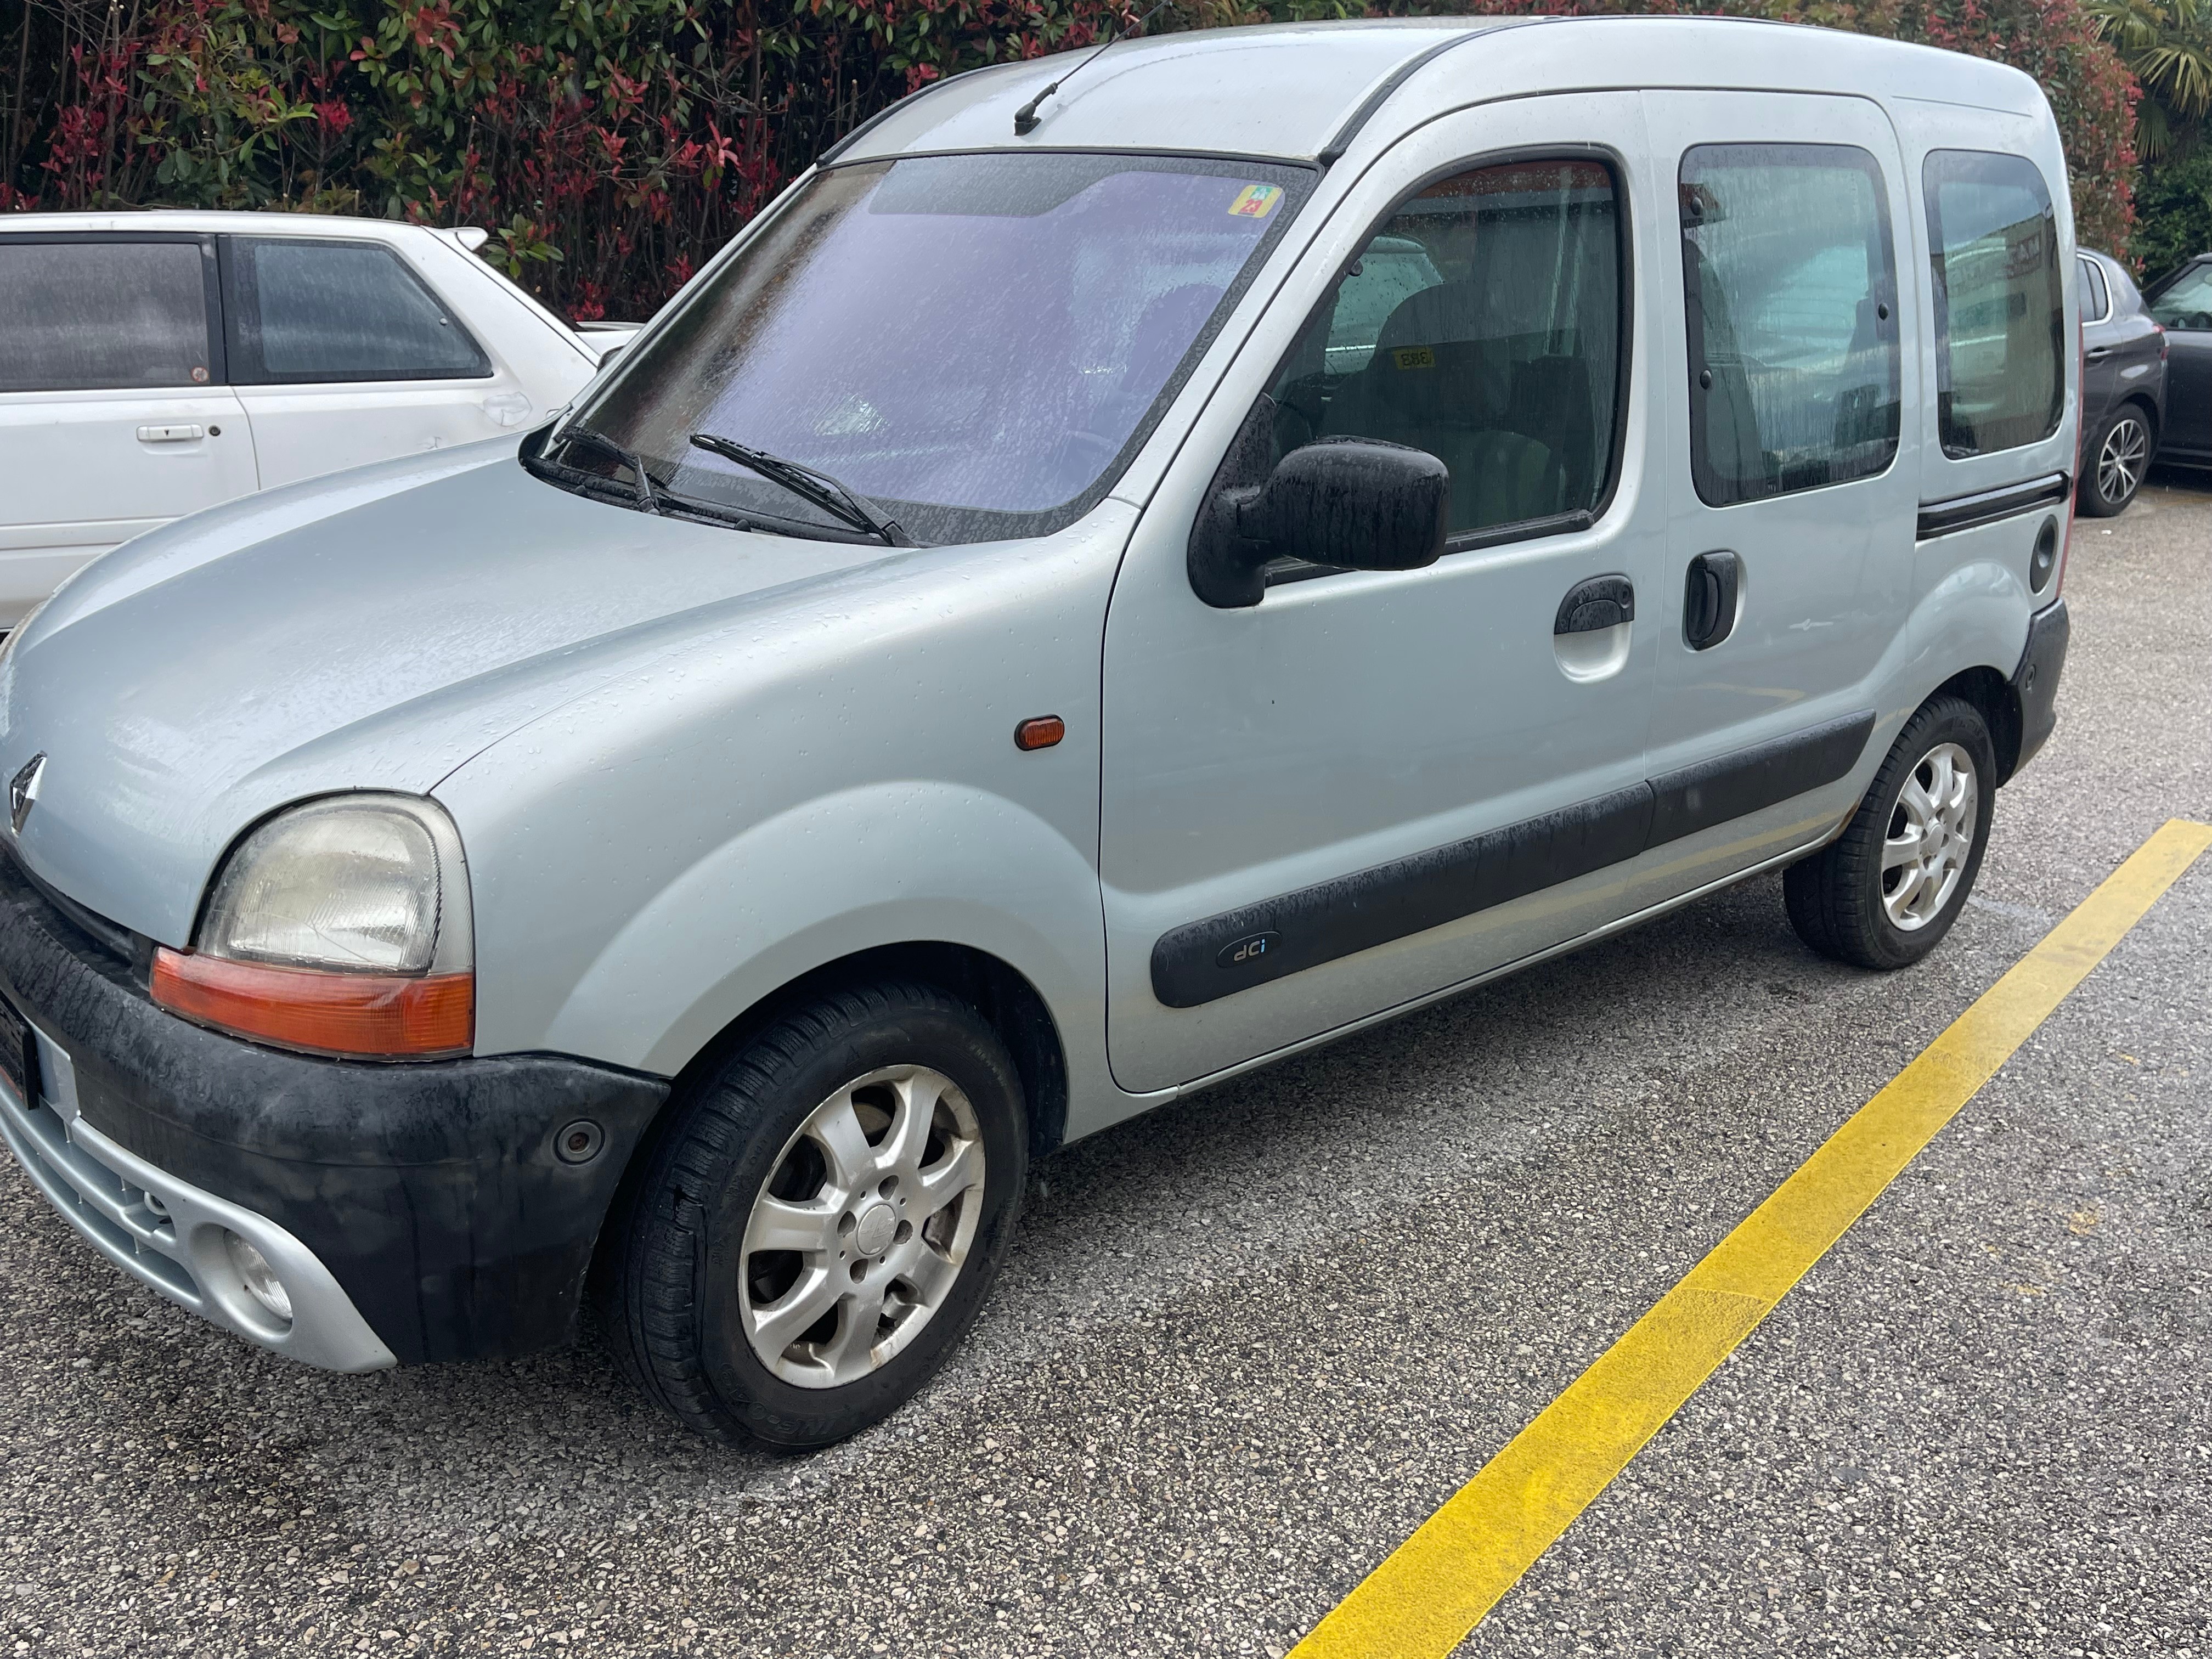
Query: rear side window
{"x": 2096, "y": 303}
{"x": 1789, "y": 283}
{"x": 1482, "y": 323}
{"x": 86, "y": 316}
{"x": 304, "y": 310}
{"x": 2000, "y": 307}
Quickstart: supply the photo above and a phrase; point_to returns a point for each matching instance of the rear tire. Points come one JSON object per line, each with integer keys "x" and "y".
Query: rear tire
{"x": 820, "y": 1219}
{"x": 2116, "y": 462}
{"x": 1883, "y": 894}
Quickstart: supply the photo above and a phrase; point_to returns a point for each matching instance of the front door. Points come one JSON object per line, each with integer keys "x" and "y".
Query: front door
{"x": 1373, "y": 785}
{"x": 1790, "y": 548}
{"x": 113, "y": 416}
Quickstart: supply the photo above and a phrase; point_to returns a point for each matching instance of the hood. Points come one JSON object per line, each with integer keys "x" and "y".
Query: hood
{"x": 370, "y": 631}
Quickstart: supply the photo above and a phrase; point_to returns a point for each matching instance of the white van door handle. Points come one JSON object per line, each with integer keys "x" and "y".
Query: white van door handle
{"x": 183, "y": 432}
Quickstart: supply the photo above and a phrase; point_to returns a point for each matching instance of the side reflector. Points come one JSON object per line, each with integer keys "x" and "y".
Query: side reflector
{"x": 366, "y": 1016}
{"x": 1042, "y": 733}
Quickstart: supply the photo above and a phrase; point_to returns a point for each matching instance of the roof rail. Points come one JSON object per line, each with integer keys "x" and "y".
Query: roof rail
{"x": 1335, "y": 147}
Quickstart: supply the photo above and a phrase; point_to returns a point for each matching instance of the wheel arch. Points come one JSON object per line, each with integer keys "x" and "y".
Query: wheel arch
{"x": 1989, "y": 693}
{"x": 997, "y": 990}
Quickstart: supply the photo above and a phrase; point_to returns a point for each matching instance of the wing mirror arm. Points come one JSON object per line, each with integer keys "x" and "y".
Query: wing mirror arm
{"x": 1354, "y": 503}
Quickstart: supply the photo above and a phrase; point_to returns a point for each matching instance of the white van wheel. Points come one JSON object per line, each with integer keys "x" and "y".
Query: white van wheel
{"x": 821, "y": 1218}
{"x": 1884, "y": 893}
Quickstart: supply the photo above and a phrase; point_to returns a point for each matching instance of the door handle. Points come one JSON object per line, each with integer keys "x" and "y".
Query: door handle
{"x": 1600, "y": 601}
{"x": 1709, "y": 596}
{"x": 181, "y": 432}
{"x": 2096, "y": 354}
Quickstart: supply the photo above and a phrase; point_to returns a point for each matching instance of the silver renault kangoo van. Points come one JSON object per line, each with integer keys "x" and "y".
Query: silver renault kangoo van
{"x": 1133, "y": 566}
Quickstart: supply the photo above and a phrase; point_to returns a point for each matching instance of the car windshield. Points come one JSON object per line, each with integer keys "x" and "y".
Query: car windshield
{"x": 977, "y": 344}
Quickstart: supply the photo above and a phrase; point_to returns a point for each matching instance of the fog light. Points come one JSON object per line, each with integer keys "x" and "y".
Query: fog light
{"x": 259, "y": 1278}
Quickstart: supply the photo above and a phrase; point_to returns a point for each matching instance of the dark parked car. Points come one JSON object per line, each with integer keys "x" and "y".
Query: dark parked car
{"x": 2183, "y": 302}
{"x": 2123, "y": 386}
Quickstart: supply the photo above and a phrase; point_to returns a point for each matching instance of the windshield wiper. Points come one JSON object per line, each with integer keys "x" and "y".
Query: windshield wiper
{"x": 810, "y": 484}
{"x": 649, "y": 492}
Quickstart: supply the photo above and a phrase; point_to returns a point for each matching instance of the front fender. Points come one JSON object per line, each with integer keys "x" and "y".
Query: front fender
{"x": 904, "y": 861}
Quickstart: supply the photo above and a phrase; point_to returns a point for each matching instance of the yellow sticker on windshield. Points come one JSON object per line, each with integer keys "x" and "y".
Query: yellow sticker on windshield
{"x": 1415, "y": 357}
{"x": 1255, "y": 200}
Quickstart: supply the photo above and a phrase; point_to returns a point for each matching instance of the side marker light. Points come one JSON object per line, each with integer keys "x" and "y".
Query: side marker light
{"x": 1041, "y": 733}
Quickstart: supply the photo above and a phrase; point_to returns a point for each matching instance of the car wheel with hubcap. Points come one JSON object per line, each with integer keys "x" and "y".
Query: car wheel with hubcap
{"x": 819, "y": 1221}
{"x": 1884, "y": 893}
{"x": 2117, "y": 462}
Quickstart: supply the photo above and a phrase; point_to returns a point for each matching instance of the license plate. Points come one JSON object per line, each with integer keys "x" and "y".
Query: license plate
{"x": 19, "y": 1055}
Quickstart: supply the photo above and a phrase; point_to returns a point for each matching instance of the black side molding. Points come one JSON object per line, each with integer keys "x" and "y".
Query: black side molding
{"x": 1988, "y": 506}
{"x": 1733, "y": 786}
{"x": 1203, "y": 961}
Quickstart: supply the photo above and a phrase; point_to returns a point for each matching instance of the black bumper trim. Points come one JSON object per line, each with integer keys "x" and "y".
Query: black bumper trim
{"x": 2033, "y": 687}
{"x": 432, "y": 1192}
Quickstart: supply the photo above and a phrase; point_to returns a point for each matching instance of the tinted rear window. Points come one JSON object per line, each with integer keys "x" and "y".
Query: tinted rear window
{"x": 2000, "y": 304}
{"x": 84, "y": 316}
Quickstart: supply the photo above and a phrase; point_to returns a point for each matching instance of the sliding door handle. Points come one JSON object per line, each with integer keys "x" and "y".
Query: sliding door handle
{"x": 1709, "y": 598}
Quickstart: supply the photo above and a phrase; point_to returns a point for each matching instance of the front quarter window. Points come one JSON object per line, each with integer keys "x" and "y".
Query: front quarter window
{"x": 977, "y": 344}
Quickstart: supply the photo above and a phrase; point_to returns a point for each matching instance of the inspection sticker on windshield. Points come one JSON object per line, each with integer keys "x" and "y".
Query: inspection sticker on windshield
{"x": 1255, "y": 200}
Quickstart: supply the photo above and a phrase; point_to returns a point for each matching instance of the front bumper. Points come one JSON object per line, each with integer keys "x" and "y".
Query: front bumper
{"x": 169, "y": 1234}
{"x": 414, "y": 1212}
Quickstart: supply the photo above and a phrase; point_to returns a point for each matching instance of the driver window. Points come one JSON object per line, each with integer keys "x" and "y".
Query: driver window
{"x": 2188, "y": 304}
{"x": 1482, "y": 323}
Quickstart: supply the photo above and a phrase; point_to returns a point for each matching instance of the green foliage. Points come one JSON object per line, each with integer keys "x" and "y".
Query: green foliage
{"x": 2176, "y": 201}
{"x": 2169, "y": 50}
{"x": 612, "y": 145}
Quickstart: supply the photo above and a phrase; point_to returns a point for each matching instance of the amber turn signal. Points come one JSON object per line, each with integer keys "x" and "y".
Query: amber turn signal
{"x": 1042, "y": 733}
{"x": 363, "y": 1015}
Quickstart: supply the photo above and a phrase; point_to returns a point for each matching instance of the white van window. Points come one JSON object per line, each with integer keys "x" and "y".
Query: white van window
{"x": 2000, "y": 305}
{"x": 1790, "y": 278}
{"x": 2096, "y": 305}
{"x": 322, "y": 311}
{"x": 85, "y": 316}
{"x": 1482, "y": 323}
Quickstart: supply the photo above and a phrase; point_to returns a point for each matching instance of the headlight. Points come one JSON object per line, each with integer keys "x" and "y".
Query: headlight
{"x": 341, "y": 927}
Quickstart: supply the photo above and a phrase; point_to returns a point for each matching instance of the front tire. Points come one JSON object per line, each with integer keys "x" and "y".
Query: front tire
{"x": 822, "y": 1218}
{"x": 1883, "y": 894}
{"x": 2117, "y": 460}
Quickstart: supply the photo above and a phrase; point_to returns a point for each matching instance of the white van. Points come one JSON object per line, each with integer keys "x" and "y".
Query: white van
{"x": 1136, "y": 565}
{"x": 152, "y": 364}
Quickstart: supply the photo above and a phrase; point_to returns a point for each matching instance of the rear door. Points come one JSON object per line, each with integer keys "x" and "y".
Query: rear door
{"x": 342, "y": 355}
{"x": 1791, "y": 537}
{"x": 113, "y": 415}
{"x": 2184, "y": 307}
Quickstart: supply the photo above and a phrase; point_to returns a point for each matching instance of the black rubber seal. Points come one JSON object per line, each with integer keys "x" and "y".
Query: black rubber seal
{"x": 434, "y": 1193}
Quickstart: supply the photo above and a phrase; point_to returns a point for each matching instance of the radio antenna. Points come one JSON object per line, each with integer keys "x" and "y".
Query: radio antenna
{"x": 1025, "y": 117}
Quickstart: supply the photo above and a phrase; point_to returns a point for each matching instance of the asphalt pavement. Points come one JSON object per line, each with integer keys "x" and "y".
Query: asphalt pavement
{"x": 1245, "y": 1344}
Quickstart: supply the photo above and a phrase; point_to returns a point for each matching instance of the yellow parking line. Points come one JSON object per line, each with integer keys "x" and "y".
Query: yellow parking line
{"x": 1432, "y": 1589}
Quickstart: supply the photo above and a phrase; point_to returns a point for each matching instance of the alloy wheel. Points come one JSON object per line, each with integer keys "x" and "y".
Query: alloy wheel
{"x": 861, "y": 1229}
{"x": 1931, "y": 837}
{"x": 2120, "y": 463}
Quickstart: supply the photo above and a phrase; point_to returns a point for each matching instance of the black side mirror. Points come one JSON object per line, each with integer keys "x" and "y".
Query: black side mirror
{"x": 1354, "y": 503}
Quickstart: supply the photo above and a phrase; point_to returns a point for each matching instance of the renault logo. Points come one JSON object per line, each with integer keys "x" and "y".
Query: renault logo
{"x": 23, "y": 790}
